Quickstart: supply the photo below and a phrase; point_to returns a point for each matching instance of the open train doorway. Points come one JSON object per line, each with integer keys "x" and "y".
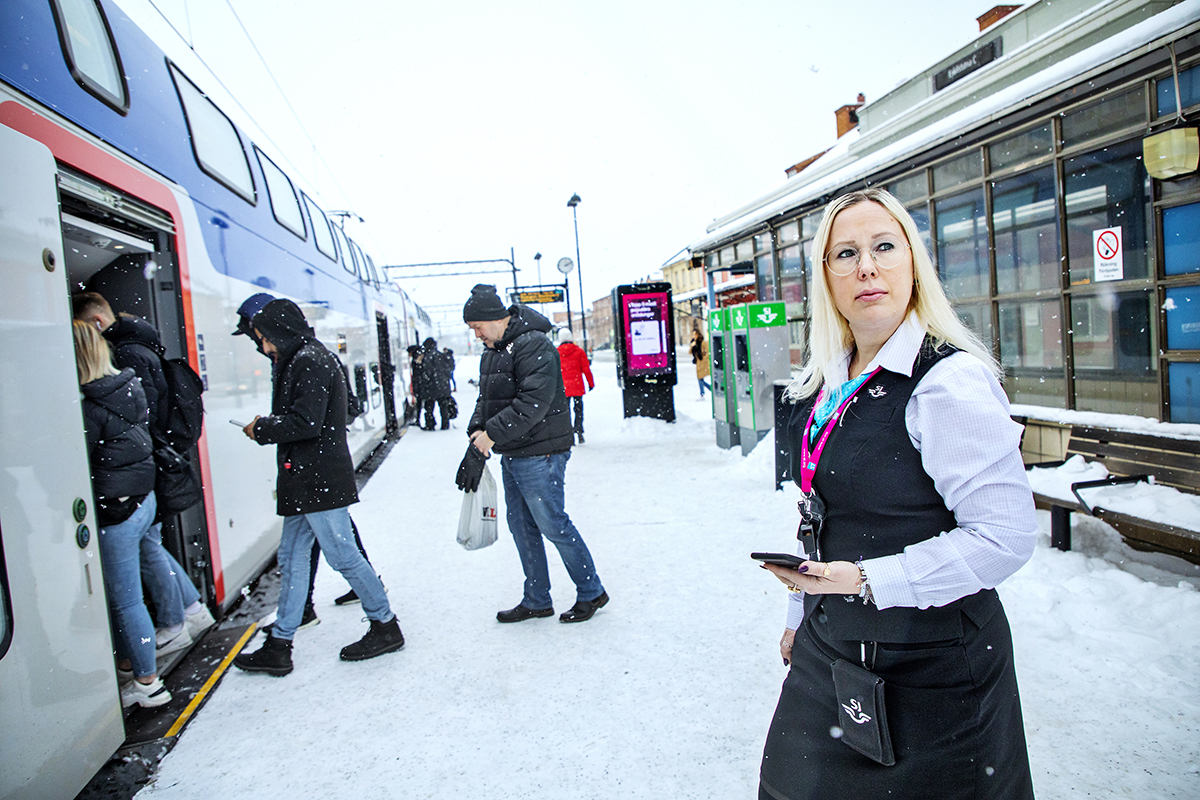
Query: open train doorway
{"x": 124, "y": 250}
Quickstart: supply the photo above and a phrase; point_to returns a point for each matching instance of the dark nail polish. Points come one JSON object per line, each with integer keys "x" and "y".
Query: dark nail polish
{"x": 804, "y": 567}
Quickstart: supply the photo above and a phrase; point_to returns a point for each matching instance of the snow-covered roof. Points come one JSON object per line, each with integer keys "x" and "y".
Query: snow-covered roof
{"x": 855, "y": 159}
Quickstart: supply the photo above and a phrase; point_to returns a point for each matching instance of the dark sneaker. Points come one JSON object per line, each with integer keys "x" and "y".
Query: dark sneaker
{"x": 580, "y": 436}
{"x": 347, "y": 599}
{"x": 273, "y": 658}
{"x": 309, "y": 620}
{"x": 522, "y": 612}
{"x": 583, "y": 609}
{"x": 383, "y": 637}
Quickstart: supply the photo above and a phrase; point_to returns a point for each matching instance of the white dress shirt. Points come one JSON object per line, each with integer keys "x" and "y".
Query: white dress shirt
{"x": 958, "y": 419}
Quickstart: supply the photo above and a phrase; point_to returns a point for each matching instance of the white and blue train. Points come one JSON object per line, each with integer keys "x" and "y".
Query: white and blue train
{"x": 124, "y": 169}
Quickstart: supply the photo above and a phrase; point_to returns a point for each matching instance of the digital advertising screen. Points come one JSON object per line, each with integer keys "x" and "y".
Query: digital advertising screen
{"x": 646, "y": 317}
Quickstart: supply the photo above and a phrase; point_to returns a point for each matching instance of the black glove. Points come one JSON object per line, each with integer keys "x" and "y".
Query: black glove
{"x": 470, "y": 471}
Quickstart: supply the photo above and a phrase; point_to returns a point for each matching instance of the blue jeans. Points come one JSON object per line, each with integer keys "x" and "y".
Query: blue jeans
{"x": 703, "y": 385}
{"x": 534, "y": 494}
{"x": 120, "y": 561}
{"x": 332, "y": 530}
{"x": 169, "y": 586}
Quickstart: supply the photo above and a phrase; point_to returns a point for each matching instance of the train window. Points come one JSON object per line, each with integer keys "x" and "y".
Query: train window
{"x": 374, "y": 271}
{"x": 282, "y": 194}
{"x": 361, "y": 260}
{"x": 215, "y": 140}
{"x": 91, "y": 54}
{"x": 322, "y": 232}
{"x": 347, "y": 254}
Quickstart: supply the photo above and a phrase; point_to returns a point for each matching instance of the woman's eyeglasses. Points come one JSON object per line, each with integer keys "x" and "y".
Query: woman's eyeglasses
{"x": 886, "y": 253}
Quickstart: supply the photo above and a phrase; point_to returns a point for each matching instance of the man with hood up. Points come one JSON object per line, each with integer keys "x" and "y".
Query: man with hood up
{"x": 522, "y": 413}
{"x": 314, "y": 488}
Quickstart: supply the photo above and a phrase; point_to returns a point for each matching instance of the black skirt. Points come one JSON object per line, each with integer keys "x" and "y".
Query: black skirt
{"x": 953, "y": 712}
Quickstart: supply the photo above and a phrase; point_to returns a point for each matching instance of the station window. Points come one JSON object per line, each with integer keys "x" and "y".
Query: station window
{"x": 1181, "y": 239}
{"x": 1026, "y": 146}
{"x": 91, "y": 54}
{"x": 322, "y": 230}
{"x": 791, "y": 268}
{"x": 1189, "y": 91}
{"x": 1114, "y": 113}
{"x": 1113, "y": 344}
{"x": 215, "y": 140}
{"x": 957, "y": 171}
{"x": 1031, "y": 351}
{"x": 1107, "y": 188}
{"x": 282, "y": 194}
{"x": 910, "y": 189}
{"x": 962, "y": 246}
{"x": 1025, "y": 228}
{"x": 764, "y": 267}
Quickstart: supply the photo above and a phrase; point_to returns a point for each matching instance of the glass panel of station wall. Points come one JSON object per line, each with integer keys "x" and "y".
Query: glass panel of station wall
{"x": 791, "y": 268}
{"x": 764, "y": 268}
{"x": 1025, "y": 146}
{"x": 1105, "y": 189}
{"x": 1114, "y": 113}
{"x": 1025, "y": 228}
{"x": 977, "y": 317}
{"x": 962, "y": 247}
{"x": 1113, "y": 340}
{"x": 1031, "y": 351}
{"x": 1184, "y": 381}
{"x": 1189, "y": 91}
{"x": 1181, "y": 236}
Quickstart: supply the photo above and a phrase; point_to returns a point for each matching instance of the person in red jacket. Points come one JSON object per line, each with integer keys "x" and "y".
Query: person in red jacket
{"x": 575, "y": 367}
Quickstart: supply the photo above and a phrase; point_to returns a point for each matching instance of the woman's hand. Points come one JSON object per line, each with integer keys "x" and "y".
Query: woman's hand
{"x": 785, "y": 645}
{"x": 819, "y": 577}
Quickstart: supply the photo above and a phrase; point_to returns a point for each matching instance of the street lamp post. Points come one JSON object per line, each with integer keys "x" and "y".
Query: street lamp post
{"x": 572, "y": 203}
{"x": 538, "y": 259}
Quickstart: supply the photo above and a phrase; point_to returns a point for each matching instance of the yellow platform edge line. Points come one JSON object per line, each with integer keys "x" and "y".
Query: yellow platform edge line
{"x": 212, "y": 680}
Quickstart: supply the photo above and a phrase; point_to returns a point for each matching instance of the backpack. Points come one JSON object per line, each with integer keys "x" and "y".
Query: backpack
{"x": 185, "y": 414}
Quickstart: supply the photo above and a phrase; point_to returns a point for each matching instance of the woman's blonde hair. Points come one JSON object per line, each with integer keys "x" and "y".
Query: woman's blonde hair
{"x": 93, "y": 359}
{"x": 829, "y": 334}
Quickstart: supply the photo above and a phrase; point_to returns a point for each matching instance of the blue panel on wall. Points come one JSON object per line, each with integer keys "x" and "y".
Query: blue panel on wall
{"x": 1184, "y": 382}
{"x": 1183, "y": 318}
{"x": 1181, "y": 239}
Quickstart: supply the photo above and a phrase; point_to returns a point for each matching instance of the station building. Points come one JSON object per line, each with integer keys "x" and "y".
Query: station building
{"x": 1051, "y": 167}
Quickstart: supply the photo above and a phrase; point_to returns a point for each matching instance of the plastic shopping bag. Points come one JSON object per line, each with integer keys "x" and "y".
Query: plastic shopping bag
{"x": 477, "y": 521}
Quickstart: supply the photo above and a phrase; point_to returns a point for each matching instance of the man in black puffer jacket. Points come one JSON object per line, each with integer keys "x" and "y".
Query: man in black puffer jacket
{"x": 314, "y": 488}
{"x": 522, "y": 414}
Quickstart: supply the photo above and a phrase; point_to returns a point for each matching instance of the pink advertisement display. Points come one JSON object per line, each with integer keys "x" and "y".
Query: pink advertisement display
{"x": 645, "y": 317}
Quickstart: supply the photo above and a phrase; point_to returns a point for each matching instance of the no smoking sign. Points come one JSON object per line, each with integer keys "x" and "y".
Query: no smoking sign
{"x": 1108, "y": 255}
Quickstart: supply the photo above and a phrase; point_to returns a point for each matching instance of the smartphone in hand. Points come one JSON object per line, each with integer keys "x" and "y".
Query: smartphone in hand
{"x": 779, "y": 559}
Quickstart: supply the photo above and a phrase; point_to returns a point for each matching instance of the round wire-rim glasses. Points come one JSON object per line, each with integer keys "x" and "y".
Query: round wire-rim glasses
{"x": 886, "y": 253}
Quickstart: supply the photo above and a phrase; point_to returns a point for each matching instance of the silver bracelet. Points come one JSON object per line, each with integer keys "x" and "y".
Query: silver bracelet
{"x": 864, "y": 584}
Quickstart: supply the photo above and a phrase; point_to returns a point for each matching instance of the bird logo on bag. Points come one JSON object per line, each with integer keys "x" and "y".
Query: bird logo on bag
{"x": 856, "y": 713}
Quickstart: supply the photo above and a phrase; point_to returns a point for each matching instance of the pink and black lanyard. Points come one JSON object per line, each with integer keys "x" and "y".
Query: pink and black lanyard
{"x": 810, "y": 458}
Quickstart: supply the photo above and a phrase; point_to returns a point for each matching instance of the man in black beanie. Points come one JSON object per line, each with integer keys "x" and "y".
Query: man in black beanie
{"x": 522, "y": 413}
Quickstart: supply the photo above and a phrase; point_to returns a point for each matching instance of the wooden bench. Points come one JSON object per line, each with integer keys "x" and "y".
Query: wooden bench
{"x": 1129, "y": 458}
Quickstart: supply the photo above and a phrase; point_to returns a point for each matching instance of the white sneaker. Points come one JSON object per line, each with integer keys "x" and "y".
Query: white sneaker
{"x": 146, "y": 695}
{"x": 199, "y": 622}
{"x": 168, "y": 640}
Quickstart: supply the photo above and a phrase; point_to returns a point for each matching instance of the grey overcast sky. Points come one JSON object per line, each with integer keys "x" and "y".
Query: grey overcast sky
{"x": 459, "y": 129}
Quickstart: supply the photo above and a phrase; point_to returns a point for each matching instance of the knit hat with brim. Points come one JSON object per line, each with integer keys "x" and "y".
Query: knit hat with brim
{"x": 485, "y": 305}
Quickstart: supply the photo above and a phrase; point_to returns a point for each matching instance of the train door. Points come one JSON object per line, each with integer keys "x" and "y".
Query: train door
{"x": 59, "y": 705}
{"x": 387, "y": 374}
{"x": 124, "y": 250}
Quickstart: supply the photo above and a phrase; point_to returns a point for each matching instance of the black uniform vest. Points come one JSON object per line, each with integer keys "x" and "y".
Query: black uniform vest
{"x": 878, "y": 500}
